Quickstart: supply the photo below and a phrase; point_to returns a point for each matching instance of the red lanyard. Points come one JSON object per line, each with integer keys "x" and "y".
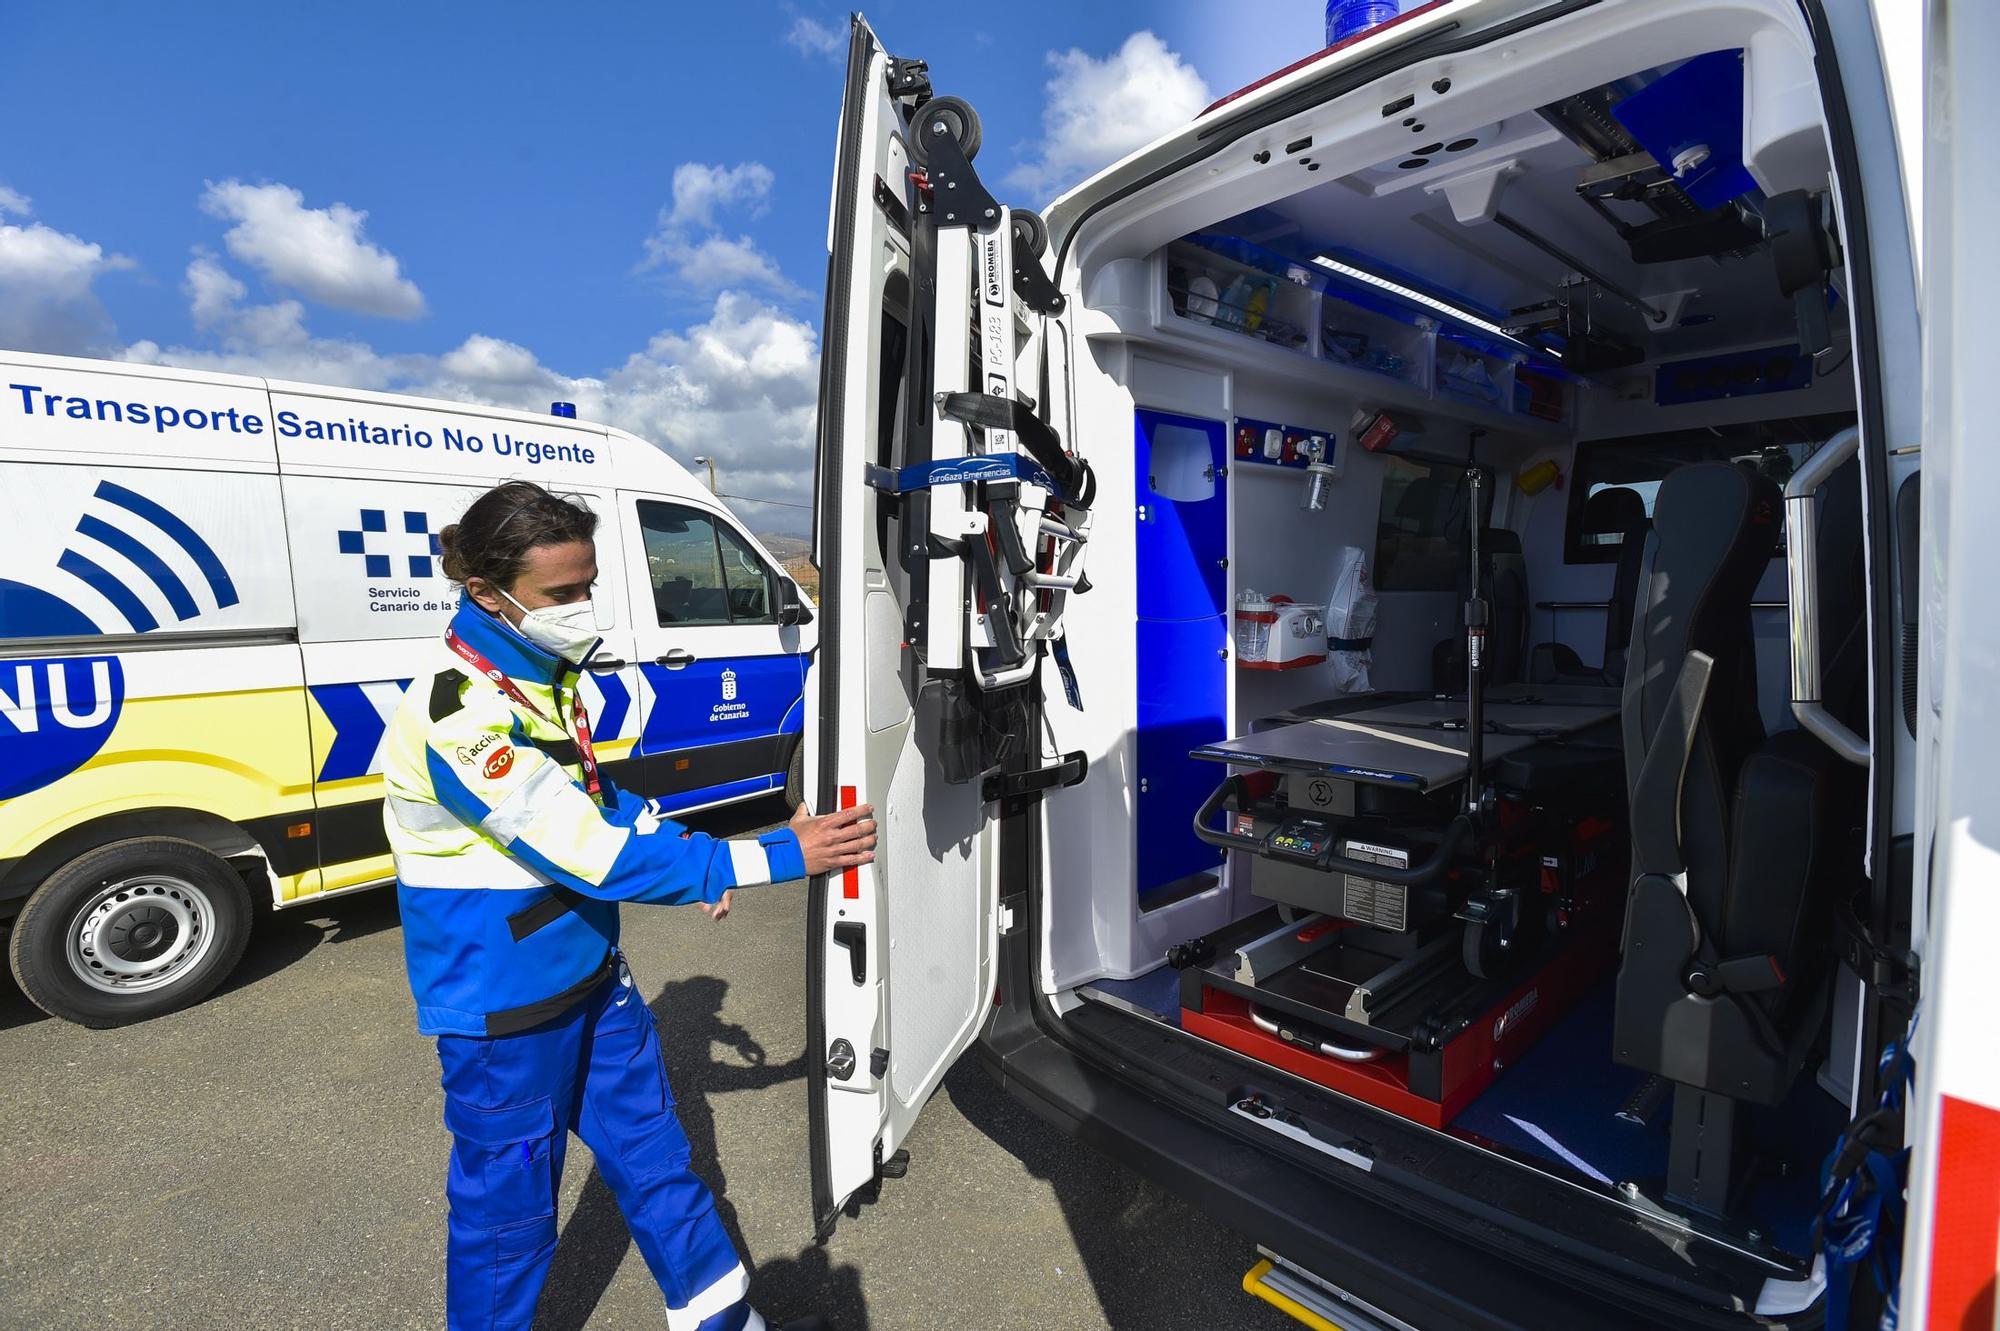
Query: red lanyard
{"x": 584, "y": 752}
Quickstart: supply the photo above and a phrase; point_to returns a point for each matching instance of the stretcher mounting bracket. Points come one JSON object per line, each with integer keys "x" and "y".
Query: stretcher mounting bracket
{"x": 1032, "y": 284}
{"x": 956, "y": 197}
{"x": 1013, "y": 785}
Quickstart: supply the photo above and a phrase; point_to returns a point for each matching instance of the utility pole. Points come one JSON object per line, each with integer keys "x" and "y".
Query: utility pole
{"x": 710, "y": 464}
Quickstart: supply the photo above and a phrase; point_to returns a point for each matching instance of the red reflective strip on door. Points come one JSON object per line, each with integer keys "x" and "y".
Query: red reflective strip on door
{"x": 850, "y": 878}
{"x": 1965, "y": 1228}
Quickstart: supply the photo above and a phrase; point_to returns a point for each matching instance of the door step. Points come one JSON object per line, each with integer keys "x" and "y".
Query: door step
{"x": 1314, "y": 1301}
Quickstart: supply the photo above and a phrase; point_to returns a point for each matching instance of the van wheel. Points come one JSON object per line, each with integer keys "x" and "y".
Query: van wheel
{"x": 795, "y": 778}
{"x": 959, "y": 120}
{"x": 131, "y": 930}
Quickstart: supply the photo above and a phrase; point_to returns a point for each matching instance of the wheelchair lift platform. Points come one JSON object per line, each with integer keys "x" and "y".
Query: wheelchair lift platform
{"x": 1426, "y": 954}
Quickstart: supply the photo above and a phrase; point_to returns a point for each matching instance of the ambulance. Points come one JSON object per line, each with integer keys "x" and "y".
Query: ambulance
{"x": 1414, "y": 686}
{"x": 216, "y": 590}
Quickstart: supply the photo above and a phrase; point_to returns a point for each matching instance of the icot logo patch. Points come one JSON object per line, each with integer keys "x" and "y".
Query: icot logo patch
{"x": 499, "y": 762}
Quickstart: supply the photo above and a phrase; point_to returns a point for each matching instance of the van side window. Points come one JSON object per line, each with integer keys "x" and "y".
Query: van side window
{"x": 1640, "y": 462}
{"x": 703, "y": 572}
{"x": 751, "y": 598}
{"x": 1421, "y": 530}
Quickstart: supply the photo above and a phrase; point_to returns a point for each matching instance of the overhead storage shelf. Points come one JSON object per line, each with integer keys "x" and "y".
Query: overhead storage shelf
{"x": 1351, "y": 347}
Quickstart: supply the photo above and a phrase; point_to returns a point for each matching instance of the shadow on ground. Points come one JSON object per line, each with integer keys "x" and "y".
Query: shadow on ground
{"x": 1153, "y": 1260}
{"x": 595, "y": 1240}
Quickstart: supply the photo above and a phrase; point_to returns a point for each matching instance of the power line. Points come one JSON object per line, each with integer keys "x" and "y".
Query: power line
{"x": 747, "y": 499}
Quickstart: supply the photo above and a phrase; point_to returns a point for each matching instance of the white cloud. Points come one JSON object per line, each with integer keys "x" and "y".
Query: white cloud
{"x": 319, "y": 252}
{"x": 740, "y": 386}
{"x": 47, "y": 296}
{"x": 1100, "y": 110}
{"x": 213, "y": 294}
{"x": 688, "y": 239}
{"x": 715, "y": 262}
{"x": 812, "y": 37}
{"x": 215, "y": 302}
{"x": 701, "y": 190}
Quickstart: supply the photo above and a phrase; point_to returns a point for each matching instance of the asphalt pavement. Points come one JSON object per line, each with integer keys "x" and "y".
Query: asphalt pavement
{"x": 273, "y": 1158}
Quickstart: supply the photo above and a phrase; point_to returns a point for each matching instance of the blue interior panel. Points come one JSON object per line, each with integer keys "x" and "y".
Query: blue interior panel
{"x": 1698, "y": 104}
{"x": 1182, "y": 697}
{"x": 1183, "y": 520}
{"x": 1182, "y": 678}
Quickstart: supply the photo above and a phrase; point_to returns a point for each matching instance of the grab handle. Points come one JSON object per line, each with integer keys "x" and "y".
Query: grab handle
{"x": 1330, "y": 860}
{"x": 1802, "y": 576}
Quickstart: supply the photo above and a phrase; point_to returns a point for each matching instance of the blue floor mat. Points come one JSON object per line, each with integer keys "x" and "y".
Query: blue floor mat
{"x": 1158, "y": 991}
{"x": 1559, "y": 1103}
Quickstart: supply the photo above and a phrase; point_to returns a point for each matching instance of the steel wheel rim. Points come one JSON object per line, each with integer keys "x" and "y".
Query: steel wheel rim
{"x": 140, "y": 934}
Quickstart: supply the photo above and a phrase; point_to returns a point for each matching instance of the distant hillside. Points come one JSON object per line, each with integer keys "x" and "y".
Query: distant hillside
{"x": 795, "y": 554}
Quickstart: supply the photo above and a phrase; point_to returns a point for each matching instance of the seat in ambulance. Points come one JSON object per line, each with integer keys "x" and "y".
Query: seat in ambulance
{"x": 1615, "y": 511}
{"x": 1720, "y": 990}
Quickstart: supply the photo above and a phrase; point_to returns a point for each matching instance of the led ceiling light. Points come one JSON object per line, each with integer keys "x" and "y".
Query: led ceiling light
{"x": 1463, "y": 316}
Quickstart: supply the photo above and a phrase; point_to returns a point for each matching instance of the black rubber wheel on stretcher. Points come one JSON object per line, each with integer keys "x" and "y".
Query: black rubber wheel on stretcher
{"x": 959, "y": 120}
{"x": 1031, "y": 234}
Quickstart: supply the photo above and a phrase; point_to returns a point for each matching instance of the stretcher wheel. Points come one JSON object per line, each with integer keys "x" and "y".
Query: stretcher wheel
{"x": 1483, "y": 949}
{"x": 959, "y": 119}
{"x": 1031, "y": 234}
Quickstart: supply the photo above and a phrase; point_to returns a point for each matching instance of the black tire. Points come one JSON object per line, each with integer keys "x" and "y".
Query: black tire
{"x": 960, "y": 120}
{"x": 155, "y": 923}
{"x": 795, "y": 779}
{"x": 1031, "y": 234}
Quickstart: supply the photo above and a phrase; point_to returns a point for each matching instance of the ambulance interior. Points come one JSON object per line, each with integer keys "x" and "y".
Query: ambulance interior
{"x": 1594, "y": 301}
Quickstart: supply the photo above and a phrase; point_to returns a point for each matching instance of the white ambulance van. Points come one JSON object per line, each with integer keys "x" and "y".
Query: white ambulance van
{"x": 1413, "y": 685}
{"x": 215, "y": 591}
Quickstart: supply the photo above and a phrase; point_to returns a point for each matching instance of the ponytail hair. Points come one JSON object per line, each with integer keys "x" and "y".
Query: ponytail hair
{"x": 494, "y": 537}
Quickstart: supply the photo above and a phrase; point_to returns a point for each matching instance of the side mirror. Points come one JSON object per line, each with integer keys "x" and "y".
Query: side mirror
{"x": 792, "y": 607}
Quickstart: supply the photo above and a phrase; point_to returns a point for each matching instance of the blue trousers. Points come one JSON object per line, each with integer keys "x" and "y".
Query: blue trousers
{"x": 511, "y": 1102}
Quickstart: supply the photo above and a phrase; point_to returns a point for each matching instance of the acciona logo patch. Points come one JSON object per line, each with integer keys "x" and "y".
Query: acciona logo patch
{"x": 499, "y": 762}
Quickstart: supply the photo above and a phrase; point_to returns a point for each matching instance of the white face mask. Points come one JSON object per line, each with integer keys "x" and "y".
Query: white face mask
{"x": 569, "y": 631}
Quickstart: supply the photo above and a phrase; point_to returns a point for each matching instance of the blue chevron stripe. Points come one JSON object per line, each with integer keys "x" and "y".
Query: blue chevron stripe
{"x": 357, "y": 729}
{"x": 617, "y": 704}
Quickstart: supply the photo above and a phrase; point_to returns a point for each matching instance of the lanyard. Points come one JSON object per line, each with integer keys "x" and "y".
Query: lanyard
{"x": 584, "y": 752}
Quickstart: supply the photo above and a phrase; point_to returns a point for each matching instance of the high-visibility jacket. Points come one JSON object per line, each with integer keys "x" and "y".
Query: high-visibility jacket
{"x": 509, "y": 872}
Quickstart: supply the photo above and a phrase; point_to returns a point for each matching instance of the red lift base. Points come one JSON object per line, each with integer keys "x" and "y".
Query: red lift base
{"x": 1462, "y": 1067}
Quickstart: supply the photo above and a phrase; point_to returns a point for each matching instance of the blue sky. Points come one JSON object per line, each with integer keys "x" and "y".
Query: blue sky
{"x": 624, "y": 204}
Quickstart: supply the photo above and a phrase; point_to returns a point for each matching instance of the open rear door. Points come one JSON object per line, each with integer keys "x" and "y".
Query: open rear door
{"x": 948, "y": 528}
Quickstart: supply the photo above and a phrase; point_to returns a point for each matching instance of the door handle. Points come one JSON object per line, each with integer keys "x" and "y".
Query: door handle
{"x": 853, "y": 935}
{"x": 604, "y": 665}
{"x": 676, "y": 659}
